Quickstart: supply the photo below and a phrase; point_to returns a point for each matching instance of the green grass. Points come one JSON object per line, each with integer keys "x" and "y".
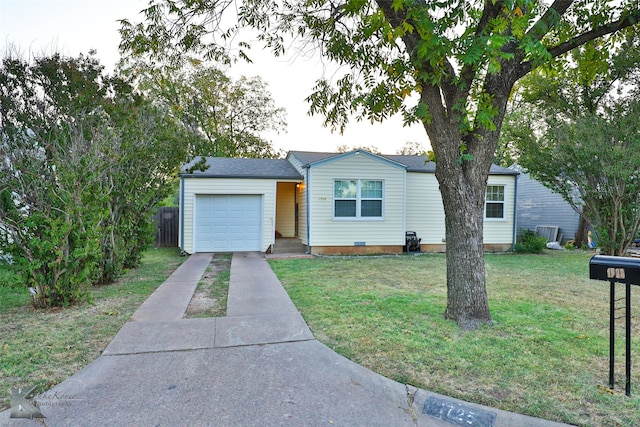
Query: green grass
{"x": 546, "y": 354}
{"x": 210, "y": 296}
{"x": 10, "y": 294}
{"x": 43, "y": 347}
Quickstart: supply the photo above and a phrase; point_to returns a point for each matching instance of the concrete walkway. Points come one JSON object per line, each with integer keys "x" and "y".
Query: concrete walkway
{"x": 259, "y": 366}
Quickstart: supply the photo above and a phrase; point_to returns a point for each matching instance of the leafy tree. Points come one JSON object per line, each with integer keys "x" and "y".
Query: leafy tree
{"x": 142, "y": 161}
{"x": 460, "y": 59}
{"x": 562, "y": 115}
{"x": 413, "y": 148}
{"x": 594, "y": 163}
{"x": 75, "y": 193}
{"x": 225, "y": 117}
{"x": 50, "y": 183}
{"x": 344, "y": 148}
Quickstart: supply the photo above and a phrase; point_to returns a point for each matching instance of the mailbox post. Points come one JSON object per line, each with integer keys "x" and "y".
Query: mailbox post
{"x": 622, "y": 270}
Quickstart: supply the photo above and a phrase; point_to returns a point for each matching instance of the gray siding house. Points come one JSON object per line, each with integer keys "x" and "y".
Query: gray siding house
{"x": 538, "y": 206}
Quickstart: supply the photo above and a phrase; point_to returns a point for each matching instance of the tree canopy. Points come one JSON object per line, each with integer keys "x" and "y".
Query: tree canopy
{"x": 225, "y": 117}
{"x": 594, "y": 163}
{"x": 84, "y": 160}
{"x": 575, "y": 129}
{"x": 449, "y": 65}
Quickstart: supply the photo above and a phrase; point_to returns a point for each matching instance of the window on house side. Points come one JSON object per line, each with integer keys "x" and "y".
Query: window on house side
{"x": 494, "y": 203}
{"x": 357, "y": 199}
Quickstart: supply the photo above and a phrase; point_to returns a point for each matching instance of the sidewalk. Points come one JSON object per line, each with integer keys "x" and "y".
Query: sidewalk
{"x": 259, "y": 366}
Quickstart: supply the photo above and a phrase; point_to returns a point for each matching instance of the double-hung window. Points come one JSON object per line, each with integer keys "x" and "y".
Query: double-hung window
{"x": 494, "y": 203}
{"x": 357, "y": 198}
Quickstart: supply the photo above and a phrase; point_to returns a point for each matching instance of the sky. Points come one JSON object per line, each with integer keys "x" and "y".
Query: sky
{"x": 72, "y": 27}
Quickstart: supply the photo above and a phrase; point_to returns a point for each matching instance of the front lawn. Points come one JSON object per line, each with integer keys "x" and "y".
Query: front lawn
{"x": 546, "y": 355}
{"x": 42, "y": 347}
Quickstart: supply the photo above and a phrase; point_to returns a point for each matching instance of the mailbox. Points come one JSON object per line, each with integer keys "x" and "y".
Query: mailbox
{"x": 615, "y": 268}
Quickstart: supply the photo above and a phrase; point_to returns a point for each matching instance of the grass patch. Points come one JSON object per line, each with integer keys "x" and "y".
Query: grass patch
{"x": 44, "y": 347}
{"x": 546, "y": 355}
{"x": 11, "y": 293}
{"x": 210, "y": 296}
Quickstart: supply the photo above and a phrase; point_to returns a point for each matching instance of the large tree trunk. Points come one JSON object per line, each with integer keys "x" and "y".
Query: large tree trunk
{"x": 463, "y": 163}
{"x": 463, "y": 199}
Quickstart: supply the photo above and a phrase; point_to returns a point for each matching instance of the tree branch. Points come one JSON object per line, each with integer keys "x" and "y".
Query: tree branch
{"x": 431, "y": 94}
{"x": 550, "y": 18}
{"x": 579, "y": 40}
{"x": 491, "y": 10}
{"x": 612, "y": 27}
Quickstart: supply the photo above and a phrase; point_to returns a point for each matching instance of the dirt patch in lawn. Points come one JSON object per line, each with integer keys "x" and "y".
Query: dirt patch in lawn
{"x": 210, "y": 296}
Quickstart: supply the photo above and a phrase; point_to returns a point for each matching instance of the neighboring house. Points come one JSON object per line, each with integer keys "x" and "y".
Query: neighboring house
{"x": 335, "y": 203}
{"x": 538, "y": 206}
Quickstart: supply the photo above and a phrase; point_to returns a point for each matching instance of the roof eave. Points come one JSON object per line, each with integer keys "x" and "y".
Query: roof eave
{"x": 356, "y": 153}
{"x": 293, "y": 178}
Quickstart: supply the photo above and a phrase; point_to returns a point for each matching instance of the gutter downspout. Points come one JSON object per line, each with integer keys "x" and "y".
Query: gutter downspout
{"x": 404, "y": 209}
{"x": 515, "y": 213}
{"x": 274, "y": 217}
{"x": 308, "y": 213}
{"x": 182, "y": 215}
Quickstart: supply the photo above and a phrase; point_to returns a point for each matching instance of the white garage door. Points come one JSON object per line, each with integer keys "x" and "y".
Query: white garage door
{"x": 226, "y": 223}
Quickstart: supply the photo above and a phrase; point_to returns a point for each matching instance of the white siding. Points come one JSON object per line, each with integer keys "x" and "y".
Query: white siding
{"x": 501, "y": 231}
{"x": 296, "y": 164}
{"x": 194, "y": 186}
{"x": 301, "y": 198}
{"x": 302, "y": 212}
{"x": 181, "y": 215}
{"x": 411, "y": 202}
{"x": 327, "y": 231}
{"x": 425, "y": 213}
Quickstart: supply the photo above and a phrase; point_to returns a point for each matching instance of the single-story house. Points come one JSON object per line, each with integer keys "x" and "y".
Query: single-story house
{"x": 335, "y": 203}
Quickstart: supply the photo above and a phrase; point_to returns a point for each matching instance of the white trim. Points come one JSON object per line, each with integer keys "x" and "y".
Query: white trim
{"x": 404, "y": 207}
{"x": 181, "y": 217}
{"x": 194, "y": 218}
{"x": 358, "y": 152}
{"x": 309, "y": 210}
{"x": 272, "y": 240}
{"x": 358, "y": 199}
{"x": 504, "y": 203}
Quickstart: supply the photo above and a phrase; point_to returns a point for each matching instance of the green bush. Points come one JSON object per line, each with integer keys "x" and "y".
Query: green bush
{"x": 82, "y": 176}
{"x": 530, "y": 243}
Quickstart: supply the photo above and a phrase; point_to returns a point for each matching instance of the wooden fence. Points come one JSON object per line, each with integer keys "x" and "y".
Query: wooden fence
{"x": 167, "y": 221}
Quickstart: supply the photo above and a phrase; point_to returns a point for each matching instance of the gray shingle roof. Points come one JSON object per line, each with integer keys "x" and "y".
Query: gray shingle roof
{"x": 223, "y": 167}
{"x": 307, "y": 157}
{"x": 413, "y": 163}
